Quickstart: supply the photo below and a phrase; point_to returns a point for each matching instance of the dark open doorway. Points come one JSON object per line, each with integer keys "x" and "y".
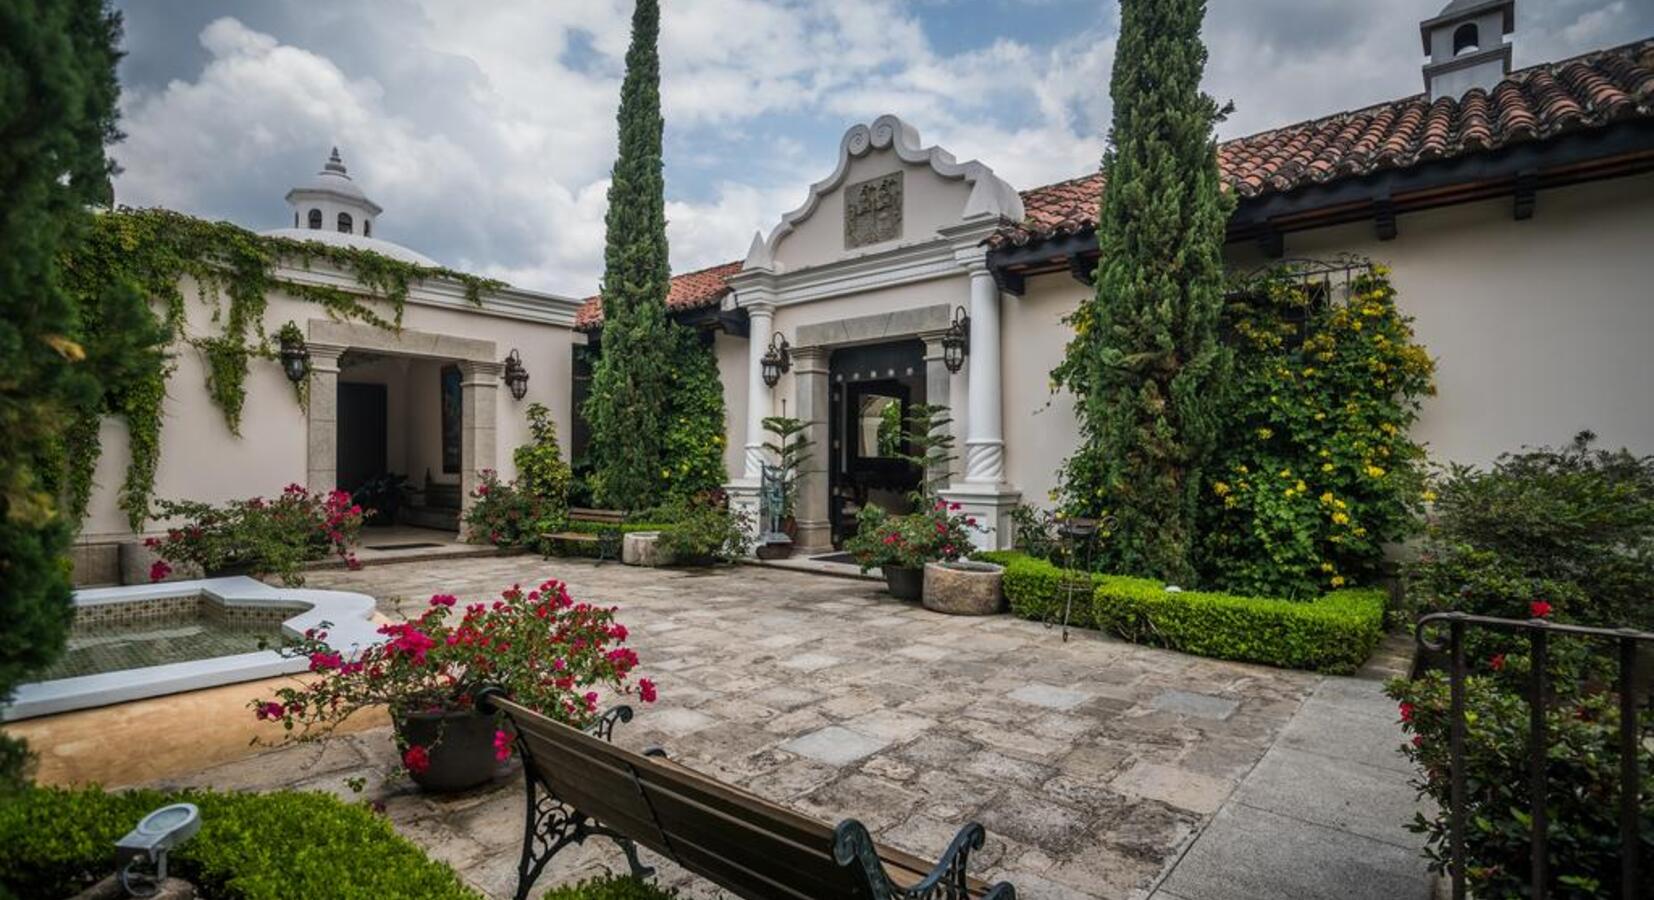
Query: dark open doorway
{"x": 363, "y": 424}
{"x": 873, "y": 388}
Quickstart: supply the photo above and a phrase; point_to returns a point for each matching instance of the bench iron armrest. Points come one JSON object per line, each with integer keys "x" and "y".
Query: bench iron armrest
{"x": 853, "y": 848}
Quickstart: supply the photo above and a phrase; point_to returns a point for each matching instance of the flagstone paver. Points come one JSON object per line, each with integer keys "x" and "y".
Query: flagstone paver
{"x": 1094, "y": 764}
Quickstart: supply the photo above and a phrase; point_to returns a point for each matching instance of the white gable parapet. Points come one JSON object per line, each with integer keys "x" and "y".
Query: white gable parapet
{"x": 990, "y": 197}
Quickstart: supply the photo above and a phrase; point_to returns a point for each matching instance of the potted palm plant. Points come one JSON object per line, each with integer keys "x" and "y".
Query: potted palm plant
{"x": 547, "y": 651}
{"x": 790, "y": 449}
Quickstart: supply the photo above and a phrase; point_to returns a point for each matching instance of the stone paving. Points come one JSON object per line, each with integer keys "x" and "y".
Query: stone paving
{"x": 1099, "y": 768}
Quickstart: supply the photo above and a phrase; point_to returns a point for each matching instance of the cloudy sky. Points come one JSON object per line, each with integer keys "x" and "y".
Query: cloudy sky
{"x": 486, "y": 130}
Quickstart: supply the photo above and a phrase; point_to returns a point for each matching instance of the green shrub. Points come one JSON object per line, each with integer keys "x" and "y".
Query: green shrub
{"x": 54, "y": 842}
{"x": 541, "y": 471}
{"x": 1336, "y": 632}
{"x": 703, "y": 529}
{"x": 1034, "y": 588}
{"x": 611, "y": 888}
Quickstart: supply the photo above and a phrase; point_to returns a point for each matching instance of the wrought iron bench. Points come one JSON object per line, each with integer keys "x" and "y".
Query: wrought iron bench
{"x": 579, "y": 784}
{"x": 607, "y": 538}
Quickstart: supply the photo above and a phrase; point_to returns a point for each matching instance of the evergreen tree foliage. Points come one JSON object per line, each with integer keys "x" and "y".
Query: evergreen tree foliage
{"x": 1146, "y": 364}
{"x": 627, "y": 408}
{"x": 57, "y": 110}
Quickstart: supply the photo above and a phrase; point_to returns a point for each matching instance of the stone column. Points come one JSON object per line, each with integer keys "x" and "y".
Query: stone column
{"x": 810, "y": 385}
{"x": 761, "y": 318}
{"x": 322, "y": 418}
{"x": 478, "y": 389}
{"x": 983, "y": 493}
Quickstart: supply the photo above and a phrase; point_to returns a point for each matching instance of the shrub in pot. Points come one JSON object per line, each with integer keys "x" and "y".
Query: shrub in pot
{"x": 547, "y": 651}
{"x": 258, "y": 536}
{"x": 900, "y": 545}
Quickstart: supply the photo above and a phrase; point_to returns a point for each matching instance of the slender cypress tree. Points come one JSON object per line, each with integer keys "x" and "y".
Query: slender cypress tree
{"x": 1146, "y": 363}
{"x": 57, "y": 110}
{"x": 627, "y": 408}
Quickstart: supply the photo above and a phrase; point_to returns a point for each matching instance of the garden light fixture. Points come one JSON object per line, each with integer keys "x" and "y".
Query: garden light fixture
{"x": 157, "y": 833}
{"x": 776, "y": 360}
{"x": 956, "y": 342}
{"x": 295, "y": 357}
{"x": 516, "y": 375}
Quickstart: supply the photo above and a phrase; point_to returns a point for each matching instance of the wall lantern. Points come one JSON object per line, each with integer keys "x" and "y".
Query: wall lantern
{"x": 776, "y": 359}
{"x": 516, "y": 375}
{"x": 295, "y": 357}
{"x": 956, "y": 343}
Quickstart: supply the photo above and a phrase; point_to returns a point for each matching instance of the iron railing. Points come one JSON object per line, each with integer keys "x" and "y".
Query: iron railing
{"x": 1540, "y": 632}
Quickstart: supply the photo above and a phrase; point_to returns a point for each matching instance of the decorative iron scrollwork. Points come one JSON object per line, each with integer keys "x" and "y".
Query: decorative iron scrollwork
{"x": 853, "y": 848}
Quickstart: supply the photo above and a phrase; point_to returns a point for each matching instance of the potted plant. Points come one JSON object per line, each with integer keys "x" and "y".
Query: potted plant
{"x": 381, "y": 497}
{"x": 901, "y": 546}
{"x": 791, "y": 451}
{"x": 258, "y": 536}
{"x": 547, "y": 651}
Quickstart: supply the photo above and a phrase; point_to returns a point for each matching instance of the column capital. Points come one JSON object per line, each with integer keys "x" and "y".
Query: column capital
{"x": 324, "y": 357}
{"x": 759, "y": 309}
{"x": 479, "y": 370}
{"x": 810, "y": 359}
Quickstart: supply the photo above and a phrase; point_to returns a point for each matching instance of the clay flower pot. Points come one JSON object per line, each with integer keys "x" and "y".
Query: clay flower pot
{"x": 903, "y": 582}
{"x": 459, "y": 746}
{"x": 964, "y": 588}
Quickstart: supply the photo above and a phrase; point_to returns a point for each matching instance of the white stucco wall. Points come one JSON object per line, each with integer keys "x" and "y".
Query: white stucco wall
{"x": 201, "y": 459}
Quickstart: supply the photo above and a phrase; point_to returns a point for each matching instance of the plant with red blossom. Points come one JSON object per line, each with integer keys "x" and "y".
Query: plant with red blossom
{"x": 273, "y": 537}
{"x": 939, "y": 531}
{"x": 549, "y": 652}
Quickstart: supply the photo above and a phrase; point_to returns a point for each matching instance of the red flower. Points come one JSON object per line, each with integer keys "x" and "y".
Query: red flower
{"x": 646, "y": 690}
{"x": 1418, "y": 740}
{"x": 444, "y": 600}
{"x": 417, "y": 759}
{"x": 269, "y": 710}
{"x": 1497, "y": 662}
{"x": 159, "y": 570}
{"x": 1406, "y": 711}
{"x": 502, "y": 746}
{"x": 1539, "y": 608}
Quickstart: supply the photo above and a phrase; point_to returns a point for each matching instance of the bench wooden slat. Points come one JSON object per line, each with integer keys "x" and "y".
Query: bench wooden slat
{"x": 604, "y": 516}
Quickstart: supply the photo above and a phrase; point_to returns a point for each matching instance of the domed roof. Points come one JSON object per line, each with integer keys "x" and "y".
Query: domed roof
{"x": 340, "y": 239}
{"x": 334, "y": 181}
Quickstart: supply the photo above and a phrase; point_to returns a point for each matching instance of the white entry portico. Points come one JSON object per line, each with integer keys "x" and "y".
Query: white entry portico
{"x": 888, "y": 248}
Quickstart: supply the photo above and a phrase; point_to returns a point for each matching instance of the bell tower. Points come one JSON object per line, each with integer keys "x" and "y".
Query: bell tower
{"x": 331, "y": 201}
{"x": 1466, "y": 46}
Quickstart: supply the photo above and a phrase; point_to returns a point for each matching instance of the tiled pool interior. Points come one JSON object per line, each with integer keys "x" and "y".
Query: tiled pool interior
{"x": 131, "y": 635}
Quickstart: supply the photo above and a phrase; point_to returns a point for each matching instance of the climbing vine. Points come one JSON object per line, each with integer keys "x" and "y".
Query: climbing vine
{"x": 233, "y": 270}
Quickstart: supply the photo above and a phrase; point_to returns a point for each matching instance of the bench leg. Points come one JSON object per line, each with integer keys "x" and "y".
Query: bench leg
{"x": 854, "y": 850}
{"x": 551, "y": 826}
{"x": 628, "y": 847}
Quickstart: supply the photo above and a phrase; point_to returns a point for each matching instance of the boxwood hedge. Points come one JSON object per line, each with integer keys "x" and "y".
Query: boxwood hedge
{"x": 54, "y": 842}
{"x": 1333, "y": 633}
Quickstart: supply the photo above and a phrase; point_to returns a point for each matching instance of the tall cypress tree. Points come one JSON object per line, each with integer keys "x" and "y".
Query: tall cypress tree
{"x": 627, "y": 408}
{"x": 1146, "y": 363}
{"x": 57, "y": 110}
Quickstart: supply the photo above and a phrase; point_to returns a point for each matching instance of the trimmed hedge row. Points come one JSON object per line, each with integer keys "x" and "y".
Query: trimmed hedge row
{"x": 611, "y": 888}
{"x": 55, "y": 842}
{"x": 1333, "y": 633}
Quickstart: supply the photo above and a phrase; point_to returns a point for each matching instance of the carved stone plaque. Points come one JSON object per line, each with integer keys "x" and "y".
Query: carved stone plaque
{"x": 873, "y": 211}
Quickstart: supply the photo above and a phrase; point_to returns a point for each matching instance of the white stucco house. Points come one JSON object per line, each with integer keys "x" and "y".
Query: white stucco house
{"x": 1515, "y": 208}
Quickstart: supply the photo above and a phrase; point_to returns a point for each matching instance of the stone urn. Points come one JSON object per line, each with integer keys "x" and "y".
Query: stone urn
{"x": 964, "y": 588}
{"x": 642, "y": 548}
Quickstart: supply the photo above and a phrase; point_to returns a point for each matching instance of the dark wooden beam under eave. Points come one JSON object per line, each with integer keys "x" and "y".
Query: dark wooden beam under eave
{"x": 1009, "y": 282}
{"x": 1084, "y": 268}
{"x": 1526, "y": 194}
{"x": 1384, "y": 214}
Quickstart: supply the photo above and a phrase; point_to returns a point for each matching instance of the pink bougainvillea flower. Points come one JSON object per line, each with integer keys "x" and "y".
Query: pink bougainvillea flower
{"x": 646, "y": 690}
{"x": 1539, "y": 608}
{"x": 1418, "y": 740}
{"x": 444, "y": 600}
{"x": 269, "y": 710}
{"x": 159, "y": 570}
{"x": 416, "y": 758}
{"x": 502, "y": 746}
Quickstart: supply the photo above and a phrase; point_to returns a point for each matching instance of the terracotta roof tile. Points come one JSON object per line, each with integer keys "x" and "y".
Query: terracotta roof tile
{"x": 1535, "y": 103}
{"x": 691, "y": 290}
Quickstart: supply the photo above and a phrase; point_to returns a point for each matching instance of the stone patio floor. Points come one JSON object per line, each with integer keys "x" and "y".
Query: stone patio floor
{"x": 1100, "y": 769}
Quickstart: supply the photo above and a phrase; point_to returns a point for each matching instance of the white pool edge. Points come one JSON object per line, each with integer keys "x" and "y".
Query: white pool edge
{"x": 350, "y": 629}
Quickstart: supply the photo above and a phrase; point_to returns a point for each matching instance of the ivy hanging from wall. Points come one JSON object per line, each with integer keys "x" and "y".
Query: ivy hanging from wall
{"x": 233, "y": 270}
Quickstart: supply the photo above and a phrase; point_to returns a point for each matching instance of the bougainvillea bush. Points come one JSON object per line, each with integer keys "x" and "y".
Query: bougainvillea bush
{"x": 267, "y": 537}
{"x": 937, "y": 532}
{"x": 506, "y": 516}
{"x": 548, "y": 652}
{"x": 1314, "y": 471}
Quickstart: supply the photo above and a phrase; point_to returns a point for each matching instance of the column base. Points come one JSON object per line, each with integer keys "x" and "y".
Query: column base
{"x": 990, "y": 505}
{"x": 743, "y": 497}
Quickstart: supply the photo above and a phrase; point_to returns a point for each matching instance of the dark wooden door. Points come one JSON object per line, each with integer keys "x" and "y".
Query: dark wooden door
{"x": 363, "y": 422}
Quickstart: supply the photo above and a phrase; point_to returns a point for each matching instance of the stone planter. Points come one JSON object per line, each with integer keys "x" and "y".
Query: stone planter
{"x": 777, "y": 550}
{"x": 904, "y": 583}
{"x": 642, "y": 548}
{"x": 460, "y": 744}
{"x": 964, "y": 588}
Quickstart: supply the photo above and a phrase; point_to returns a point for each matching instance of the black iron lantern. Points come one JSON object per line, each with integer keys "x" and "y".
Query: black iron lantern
{"x": 295, "y": 357}
{"x": 516, "y": 375}
{"x": 776, "y": 359}
{"x": 956, "y": 343}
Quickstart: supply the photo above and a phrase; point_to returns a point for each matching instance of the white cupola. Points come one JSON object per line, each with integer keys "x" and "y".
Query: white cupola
{"x": 1465, "y": 44}
{"x": 330, "y": 201}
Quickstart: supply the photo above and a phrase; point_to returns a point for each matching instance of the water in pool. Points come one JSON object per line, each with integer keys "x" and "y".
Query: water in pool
{"x": 132, "y": 645}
